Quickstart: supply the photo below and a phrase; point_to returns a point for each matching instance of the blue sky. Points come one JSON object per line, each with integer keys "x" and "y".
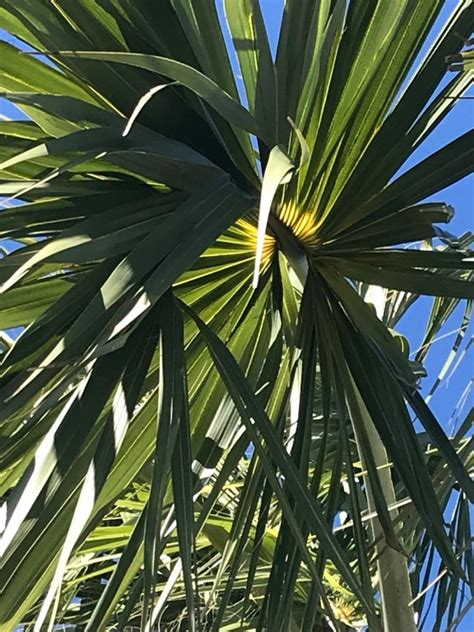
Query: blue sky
{"x": 461, "y": 195}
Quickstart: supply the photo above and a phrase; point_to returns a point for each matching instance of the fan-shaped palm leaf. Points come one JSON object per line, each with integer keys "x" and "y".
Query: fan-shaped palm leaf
{"x": 149, "y": 361}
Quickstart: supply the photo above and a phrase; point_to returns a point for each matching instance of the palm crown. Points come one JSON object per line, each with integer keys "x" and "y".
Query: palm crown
{"x": 191, "y": 279}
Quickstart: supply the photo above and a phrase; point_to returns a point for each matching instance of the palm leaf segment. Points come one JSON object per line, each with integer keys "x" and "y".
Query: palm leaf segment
{"x": 134, "y": 283}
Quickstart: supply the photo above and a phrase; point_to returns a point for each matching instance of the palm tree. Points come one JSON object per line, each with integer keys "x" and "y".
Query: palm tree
{"x": 209, "y": 377}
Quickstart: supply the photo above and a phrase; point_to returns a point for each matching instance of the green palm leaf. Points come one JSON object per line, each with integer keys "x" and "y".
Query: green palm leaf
{"x": 179, "y": 440}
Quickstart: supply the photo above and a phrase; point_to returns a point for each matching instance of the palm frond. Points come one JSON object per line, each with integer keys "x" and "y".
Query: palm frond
{"x": 205, "y": 422}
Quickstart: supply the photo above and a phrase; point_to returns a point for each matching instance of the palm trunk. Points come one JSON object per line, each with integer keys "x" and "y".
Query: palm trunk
{"x": 393, "y": 578}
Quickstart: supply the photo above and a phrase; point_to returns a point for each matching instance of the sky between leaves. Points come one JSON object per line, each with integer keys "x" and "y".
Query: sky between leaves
{"x": 459, "y": 195}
